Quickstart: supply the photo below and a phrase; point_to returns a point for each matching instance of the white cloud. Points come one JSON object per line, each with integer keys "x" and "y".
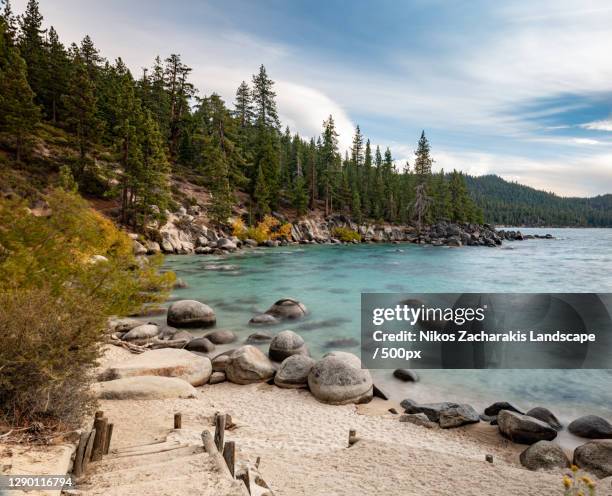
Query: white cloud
{"x": 603, "y": 125}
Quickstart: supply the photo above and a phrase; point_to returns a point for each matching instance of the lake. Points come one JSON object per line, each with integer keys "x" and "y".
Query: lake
{"x": 328, "y": 279}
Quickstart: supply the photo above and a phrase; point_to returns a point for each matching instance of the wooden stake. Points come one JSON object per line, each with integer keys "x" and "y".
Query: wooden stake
{"x": 99, "y": 414}
{"x": 229, "y": 455}
{"x": 245, "y": 477}
{"x": 178, "y": 420}
{"x": 77, "y": 469}
{"x": 352, "y": 437}
{"x": 88, "y": 450}
{"x": 211, "y": 449}
{"x": 107, "y": 441}
{"x": 100, "y": 425}
{"x": 219, "y": 431}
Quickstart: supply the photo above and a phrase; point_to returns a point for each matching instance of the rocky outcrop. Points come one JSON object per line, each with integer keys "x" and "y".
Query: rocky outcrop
{"x": 523, "y": 429}
{"x": 190, "y": 313}
{"x": 247, "y": 365}
{"x": 167, "y": 362}
{"x": 544, "y": 455}
{"x": 144, "y": 388}
{"x": 338, "y": 379}
{"x": 591, "y": 427}
{"x": 596, "y": 457}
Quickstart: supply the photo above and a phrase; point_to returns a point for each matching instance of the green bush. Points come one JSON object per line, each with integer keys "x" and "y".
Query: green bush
{"x": 61, "y": 276}
{"x": 345, "y": 234}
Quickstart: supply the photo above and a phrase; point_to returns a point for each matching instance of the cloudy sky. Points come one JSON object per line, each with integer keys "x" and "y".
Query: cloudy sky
{"x": 522, "y": 89}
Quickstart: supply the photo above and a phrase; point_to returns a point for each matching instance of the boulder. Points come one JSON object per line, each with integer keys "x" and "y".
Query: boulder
{"x": 459, "y": 415}
{"x": 264, "y": 319}
{"x": 144, "y": 388}
{"x": 285, "y": 344}
{"x": 202, "y": 345}
{"x": 190, "y": 313}
{"x": 217, "y": 377}
{"x": 338, "y": 379}
{"x": 523, "y": 429}
{"x": 247, "y": 365}
{"x": 431, "y": 410}
{"x": 226, "y": 244}
{"x": 406, "y": 375}
{"x": 595, "y": 457}
{"x": 293, "y": 372}
{"x": 138, "y": 248}
{"x": 544, "y": 455}
{"x": 220, "y": 361}
{"x": 180, "y": 284}
{"x": 545, "y": 415}
{"x": 259, "y": 337}
{"x": 417, "y": 419}
{"x": 287, "y": 309}
{"x": 124, "y": 325}
{"x": 496, "y": 407}
{"x": 221, "y": 336}
{"x": 592, "y": 427}
{"x": 166, "y": 362}
{"x": 143, "y": 332}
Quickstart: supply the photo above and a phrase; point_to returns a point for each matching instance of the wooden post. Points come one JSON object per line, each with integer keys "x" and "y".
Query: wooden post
{"x": 99, "y": 414}
{"x": 245, "y": 477}
{"x": 229, "y": 455}
{"x": 77, "y": 468}
{"x": 107, "y": 440}
{"x": 352, "y": 437}
{"x": 88, "y": 450}
{"x": 211, "y": 449}
{"x": 178, "y": 420}
{"x": 219, "y": 431}
{"x": 100, "y": 425}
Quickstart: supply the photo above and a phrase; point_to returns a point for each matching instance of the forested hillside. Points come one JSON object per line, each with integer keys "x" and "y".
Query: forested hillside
{"x": 512, "y": 204}
{"x": 131, "y": 132}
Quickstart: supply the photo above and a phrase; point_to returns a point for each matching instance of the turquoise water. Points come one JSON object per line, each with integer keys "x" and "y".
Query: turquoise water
{"x": 328, "y": 279}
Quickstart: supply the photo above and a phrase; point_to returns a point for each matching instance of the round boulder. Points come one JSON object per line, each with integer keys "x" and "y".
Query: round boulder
{"x": 221, "y": 336}
{"x": 339, "y": 380}
{"x": 201, "y": 345}
{"x": 523, "y": 429}
{"x": 406, "y": 375}
{"x": 592, "y": 427}
{"x": 226, "y": 244}
{"x": 190, "y": 313}
{"x": 287, "y": 309}
{"x": 220, "y": 361}
{"x": 595, "y": 457}
{"x": 545, "y": 415}
{"x": 293, "y": 372}
{"x": 544, "y": 455}
{"x": 285, "y": 344}
{"x": 143, "y": 332}
{"x": 247, "y": 365}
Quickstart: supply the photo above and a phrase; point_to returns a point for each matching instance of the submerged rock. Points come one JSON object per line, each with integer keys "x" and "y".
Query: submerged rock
{"x": 264, "y": 319}
{"x": 259, "y": 337}
{"x": 498, "y": 406}
{"x": 285, "y": 344}
{"x": 247, "y": 365}
{"x": 293, "y": 372}
{"x": 166, "y": 362}
{"x": 190, "y": 313}
{"x": 201, "y": 345}
{"x": 341, "y": 343}
{"x": 406, "y": 375}
{"x": 544, "y": 455}
{"x": 221, "y": 336}
{"x": 338, "y": 379}
{"x": 595, "y": 457}
{"x": 523, "y": 429}
{"x": 592, "y": 427}
{"x": 287, "y": 309}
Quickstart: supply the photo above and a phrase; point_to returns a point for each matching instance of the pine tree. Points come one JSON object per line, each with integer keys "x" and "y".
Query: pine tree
{"x": 261, "y": 194}
{"x": 243, "y": 106}
{"x": 423, "y": 161}
{"x": 91, "y": 57}
{"x": 266, "y": 115}
{"x": 10, "y": 23}
{"x": 18, "y": 112}
{"x": 57, "y": 75}
{"x": 329, "y": 160}
{"x": 441, "y": 199}
{"x": 300, "y": 195}
{"x": 32, "y": 49}
{"x": 81, "y": 113}
{"x": 180, "y": 91}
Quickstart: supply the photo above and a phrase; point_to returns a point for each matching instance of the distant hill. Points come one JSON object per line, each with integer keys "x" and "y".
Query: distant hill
{"x": 510, "y": 203}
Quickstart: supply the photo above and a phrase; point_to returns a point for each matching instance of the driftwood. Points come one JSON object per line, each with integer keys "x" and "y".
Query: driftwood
{"x": 152, "y": 344}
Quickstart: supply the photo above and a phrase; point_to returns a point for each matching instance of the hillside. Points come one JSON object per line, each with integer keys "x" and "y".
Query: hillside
{"x": 510, "y": 203}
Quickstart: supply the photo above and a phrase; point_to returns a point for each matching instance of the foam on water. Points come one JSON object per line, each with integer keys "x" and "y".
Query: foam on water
{"x": 328, "y": 279}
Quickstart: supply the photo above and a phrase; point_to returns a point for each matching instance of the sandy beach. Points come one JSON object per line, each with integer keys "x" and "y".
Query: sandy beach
{"x": 303, "y": 445}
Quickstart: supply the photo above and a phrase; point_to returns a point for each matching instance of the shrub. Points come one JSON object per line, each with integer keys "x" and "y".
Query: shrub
{"x": 268, "y": 228}
{"x": 239, "y": 229}
{"x": 54, "y": 301}
{"x": 346, "y": 234}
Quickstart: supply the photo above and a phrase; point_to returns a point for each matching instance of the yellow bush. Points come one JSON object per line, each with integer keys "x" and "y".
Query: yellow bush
{"x": 345, "y": 234}
{"x": 283, "y": 232}
{"x": 268, "y": 228}
{"x": 239, "y": 229}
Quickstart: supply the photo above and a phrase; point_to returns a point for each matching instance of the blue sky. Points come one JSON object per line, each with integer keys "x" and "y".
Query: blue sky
{"x": 522, "y": 89}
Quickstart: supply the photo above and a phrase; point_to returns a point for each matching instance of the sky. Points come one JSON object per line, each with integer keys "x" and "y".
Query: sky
{"x": 522, "y": 89}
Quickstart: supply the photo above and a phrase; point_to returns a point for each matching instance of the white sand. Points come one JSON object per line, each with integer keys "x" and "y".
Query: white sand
{"x": 303, "y": 445}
